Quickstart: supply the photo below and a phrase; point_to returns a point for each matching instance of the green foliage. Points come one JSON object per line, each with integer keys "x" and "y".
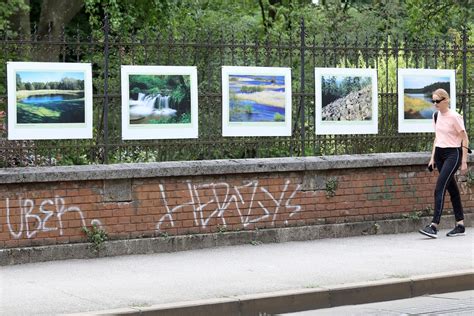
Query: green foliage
{"x": 416, "y": 214}
{"x": 185, "y": 118}
{"x": 256, "y": 242}
{"x": 8, "y": 9}
{"x": 470, "y": 178}
{"x": 221, "y": 229}
{"x": 278, "y": 117}
{"x": 74, "y": 159}
{"x": 212, "y": 33}
{"x": 65, "y": 84}
{"x": 96, "y": 236}
{"x": 251, "y": 89}
{"x": 429, "y": 19}
{"x": 331, "y": 187}
{"x": 237, "y": 108}
{"x": 333, "y": 90}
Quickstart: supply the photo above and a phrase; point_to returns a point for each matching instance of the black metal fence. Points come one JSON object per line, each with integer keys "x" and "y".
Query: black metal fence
{"x": 209, "y": 51}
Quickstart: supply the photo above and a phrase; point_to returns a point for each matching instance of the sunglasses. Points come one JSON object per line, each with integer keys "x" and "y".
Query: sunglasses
{"x": 437, "y": 101}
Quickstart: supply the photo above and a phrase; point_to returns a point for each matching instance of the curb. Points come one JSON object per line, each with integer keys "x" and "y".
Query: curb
{"x": 309, "y": 299}
{"x": 12, "y": 256}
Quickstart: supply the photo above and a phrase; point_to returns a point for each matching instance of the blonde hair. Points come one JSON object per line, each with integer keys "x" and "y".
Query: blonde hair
{"x": 442, "y": 93}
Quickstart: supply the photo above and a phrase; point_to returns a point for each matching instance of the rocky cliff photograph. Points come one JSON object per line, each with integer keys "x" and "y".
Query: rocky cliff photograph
{"x": 347, "y": 97}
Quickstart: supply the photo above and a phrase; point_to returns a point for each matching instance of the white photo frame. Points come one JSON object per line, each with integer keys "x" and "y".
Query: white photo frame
{"x": 415, "y": 86}
{"x": 49, "y": 100}
{"x": 335, "y": 86}
{"x": 256, "y": 101}
{"x": 156, "y": 112}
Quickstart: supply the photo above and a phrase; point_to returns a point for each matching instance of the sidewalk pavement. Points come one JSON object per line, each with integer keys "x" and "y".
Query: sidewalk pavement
{"x": 233, "y": 280}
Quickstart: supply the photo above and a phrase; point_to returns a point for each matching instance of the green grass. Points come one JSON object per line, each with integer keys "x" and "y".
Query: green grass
{"x": 415, "y": 104}
{"x": 278, "y": 117}
{"x": 70, "y": 111}
{"x": 32, "y": 111}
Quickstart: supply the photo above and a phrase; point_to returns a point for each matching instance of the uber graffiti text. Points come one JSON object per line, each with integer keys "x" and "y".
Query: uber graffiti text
{"x": 37, "y": 216}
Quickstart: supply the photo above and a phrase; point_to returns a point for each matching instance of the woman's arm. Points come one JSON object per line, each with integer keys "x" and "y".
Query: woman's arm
{"x": 465, "y": 145}
{"x": 431, "y": 163}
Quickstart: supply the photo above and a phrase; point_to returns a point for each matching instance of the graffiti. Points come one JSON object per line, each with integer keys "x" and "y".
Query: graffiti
{"x": 31, "y": 223}
{"x": 216, "y": 205}
{"x": 385, "y": 192}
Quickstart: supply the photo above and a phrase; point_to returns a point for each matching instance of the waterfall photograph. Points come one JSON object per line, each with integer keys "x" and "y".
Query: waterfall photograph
{"x": 415, "y": 89}
{"x": 159, "y": 102}
{"x": 160, "y": 99}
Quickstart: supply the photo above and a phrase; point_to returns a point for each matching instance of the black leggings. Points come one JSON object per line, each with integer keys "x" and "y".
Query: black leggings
{"x": 447, "y": 161}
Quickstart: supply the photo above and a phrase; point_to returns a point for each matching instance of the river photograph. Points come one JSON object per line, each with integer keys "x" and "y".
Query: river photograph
{"x": 50, "y": 97}
{"x": 159, "y": 99}
{"x": 256, "y": 98}
{"x": 417, "y": 94}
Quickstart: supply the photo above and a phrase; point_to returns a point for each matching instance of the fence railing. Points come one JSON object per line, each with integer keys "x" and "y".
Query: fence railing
{"x": 208, "y": 52}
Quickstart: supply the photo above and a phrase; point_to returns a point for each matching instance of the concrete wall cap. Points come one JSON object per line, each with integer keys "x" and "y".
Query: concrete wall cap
{"x": 209, "y": 167}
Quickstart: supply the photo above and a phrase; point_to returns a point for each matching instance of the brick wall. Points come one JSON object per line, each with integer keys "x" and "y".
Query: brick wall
{"x": 49, "y": 206}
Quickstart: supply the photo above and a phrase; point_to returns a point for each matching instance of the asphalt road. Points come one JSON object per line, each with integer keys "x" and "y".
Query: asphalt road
{"x": 448, "y": 304}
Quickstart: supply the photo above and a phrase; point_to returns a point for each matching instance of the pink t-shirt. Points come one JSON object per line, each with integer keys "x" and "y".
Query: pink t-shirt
{"x": 447, "y": 128}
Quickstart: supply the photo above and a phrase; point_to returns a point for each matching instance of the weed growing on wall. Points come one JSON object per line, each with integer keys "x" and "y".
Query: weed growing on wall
{"x": 96, "y": 236}
{"x": 331, "y": 187}
{"x": 470, "y": 178}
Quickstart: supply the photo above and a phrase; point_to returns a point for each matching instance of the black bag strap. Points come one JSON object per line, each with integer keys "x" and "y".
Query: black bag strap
{"x": 436, "y": 116}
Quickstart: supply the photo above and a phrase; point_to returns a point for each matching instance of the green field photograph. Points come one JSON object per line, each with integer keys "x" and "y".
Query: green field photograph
{"x": 50, "y": 97}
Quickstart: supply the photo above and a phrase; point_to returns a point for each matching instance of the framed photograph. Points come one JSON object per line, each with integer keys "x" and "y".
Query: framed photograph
{"x": 415, "y": 88}
{"x": 256, "y": 101}
{"x": 346, "y": 101}
{"x": 49, "y": 100}
{"x": 159, "y": 102}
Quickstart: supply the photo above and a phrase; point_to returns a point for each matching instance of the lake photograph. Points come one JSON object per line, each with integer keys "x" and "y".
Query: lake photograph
{"x": 159, "y": 99}
{"x": 417, "y": 94}
{"x": 50, "y": 97}
{"x": 256, "y": 98}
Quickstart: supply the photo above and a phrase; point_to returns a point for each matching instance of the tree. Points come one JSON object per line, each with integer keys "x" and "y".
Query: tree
{"x": 49, "y": 16}
{"x": 429, "y": 19}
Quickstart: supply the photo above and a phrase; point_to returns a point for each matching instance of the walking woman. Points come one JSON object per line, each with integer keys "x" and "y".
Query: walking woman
{"x": 448, "y": 154}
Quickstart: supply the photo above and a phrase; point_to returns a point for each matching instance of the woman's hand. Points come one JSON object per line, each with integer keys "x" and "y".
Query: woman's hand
{"x": 464, "y": 168}
{"x": 431, "y": 163}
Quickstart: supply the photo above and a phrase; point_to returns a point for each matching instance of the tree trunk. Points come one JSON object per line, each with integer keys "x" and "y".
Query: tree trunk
{"x": 262, "y": 9}
{"x": 272, "y": 11}
{"x": 55, "y": 14}
{"x": 21, "y": 22}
